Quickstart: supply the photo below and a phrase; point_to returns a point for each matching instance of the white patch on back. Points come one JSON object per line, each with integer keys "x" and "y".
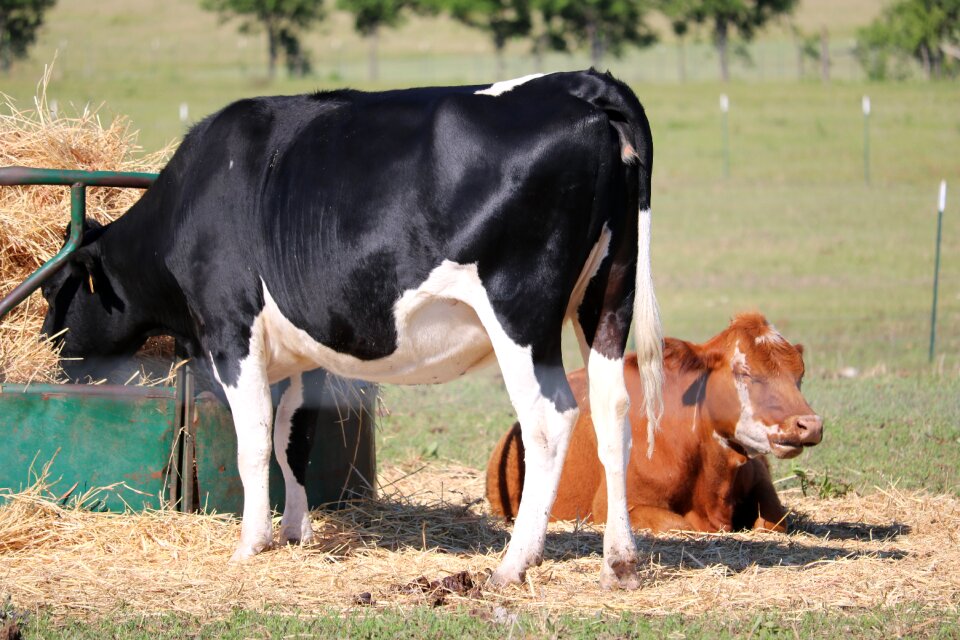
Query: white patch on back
{"x": 499, "y": 88}
{"x": 750, "y": 433}
{"x": 439, "y": 334}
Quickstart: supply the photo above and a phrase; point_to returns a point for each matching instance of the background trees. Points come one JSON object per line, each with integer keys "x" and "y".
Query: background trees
{"x": 926, "y": 31}
{"x": 19, "y": 22}
{"x": 503, "y": 20}
{"x": 724, "y": 18}
{"x": 283, "y": 21}
{"x": 908, "y": 32}
{"x": 370, "y": 16}
{"x": 605, "y": 26}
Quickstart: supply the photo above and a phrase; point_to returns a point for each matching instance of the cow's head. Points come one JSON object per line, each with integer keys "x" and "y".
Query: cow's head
{"x": 753, "y": 390}
{"x": 87, "y": 312}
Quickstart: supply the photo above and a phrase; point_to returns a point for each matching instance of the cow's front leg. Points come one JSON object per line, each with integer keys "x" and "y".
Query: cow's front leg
{"x": 547, "y": 416}
{"x": 252, "y": 408}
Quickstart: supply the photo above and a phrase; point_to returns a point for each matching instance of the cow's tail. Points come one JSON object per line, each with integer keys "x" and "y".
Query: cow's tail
{"x": 505, "y": 473}
{"x": 627, "y": 117}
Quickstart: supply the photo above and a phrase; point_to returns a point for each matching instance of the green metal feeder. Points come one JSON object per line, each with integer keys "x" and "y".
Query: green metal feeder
{"x": 160, "y": 446}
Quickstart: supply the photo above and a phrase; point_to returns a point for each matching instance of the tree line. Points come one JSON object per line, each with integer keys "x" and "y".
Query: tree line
{"x": 604, "y": 27}
{"x": 925, "y": 32}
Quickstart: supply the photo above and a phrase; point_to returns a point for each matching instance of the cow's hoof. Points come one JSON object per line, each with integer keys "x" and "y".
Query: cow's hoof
{"x": 503, "y": 577}
{"x": 296, "y": 535}
{"x": 245, "y": 551}
{"x": 621, "y": 575}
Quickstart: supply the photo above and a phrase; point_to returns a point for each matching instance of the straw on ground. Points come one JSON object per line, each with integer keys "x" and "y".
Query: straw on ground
{"x": 884, "y": 549}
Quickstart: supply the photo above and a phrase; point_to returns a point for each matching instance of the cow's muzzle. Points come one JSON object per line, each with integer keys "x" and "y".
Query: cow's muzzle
{"x": 795, "y": 433}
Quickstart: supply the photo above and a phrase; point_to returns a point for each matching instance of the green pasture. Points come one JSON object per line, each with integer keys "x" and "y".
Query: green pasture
{"x": 423, "y": 624}
{"x": 844, "y": 267}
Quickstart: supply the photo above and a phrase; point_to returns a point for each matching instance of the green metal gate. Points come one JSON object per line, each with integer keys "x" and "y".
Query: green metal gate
{"x": 157, "y": 446}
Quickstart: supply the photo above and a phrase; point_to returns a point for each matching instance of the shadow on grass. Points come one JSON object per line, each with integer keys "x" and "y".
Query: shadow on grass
{"x": 845, "y": 530}
{"x": 458, "y": 529}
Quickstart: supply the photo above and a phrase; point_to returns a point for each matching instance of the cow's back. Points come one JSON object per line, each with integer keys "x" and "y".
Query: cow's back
{"x": 338, "y": 203}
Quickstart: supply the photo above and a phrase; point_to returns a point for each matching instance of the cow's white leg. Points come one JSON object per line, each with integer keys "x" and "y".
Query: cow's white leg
{"x": 295, "y": 525}
{"x": 252, "y": 410}
{"x": 609, "y": 405}
{"x": 545, "y": 431}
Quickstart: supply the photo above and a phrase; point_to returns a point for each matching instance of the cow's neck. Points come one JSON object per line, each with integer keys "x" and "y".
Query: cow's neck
{"x": 127, "y": 258}
{"x": 721, "y": 462}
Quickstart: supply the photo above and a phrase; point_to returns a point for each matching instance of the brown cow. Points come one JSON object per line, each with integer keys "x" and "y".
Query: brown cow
{"x": 727, "y": 402}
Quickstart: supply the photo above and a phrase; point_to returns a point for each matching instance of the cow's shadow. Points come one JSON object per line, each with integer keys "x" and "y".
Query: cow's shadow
{"x": 460, "y": 529}
{"x": 846, "y": 530}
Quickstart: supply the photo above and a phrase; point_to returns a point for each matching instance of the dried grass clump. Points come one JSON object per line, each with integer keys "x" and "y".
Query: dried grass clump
{"x": 885, "y": 549}
{"x": 33, "y": 219}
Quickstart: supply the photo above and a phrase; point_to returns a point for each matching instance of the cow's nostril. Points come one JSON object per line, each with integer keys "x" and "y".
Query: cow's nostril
{"x": 810, "y": 427}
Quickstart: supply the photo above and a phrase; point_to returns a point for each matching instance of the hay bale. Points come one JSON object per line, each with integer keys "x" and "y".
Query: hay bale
{"x": 33, "y": 219}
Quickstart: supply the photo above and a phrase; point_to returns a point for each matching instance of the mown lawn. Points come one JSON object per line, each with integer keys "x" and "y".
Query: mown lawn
{"x": 841, "y": 266}
{"x": 424, "y": 624}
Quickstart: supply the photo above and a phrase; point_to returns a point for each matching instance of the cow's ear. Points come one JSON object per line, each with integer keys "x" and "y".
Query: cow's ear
{"x": 799, "y": 348}
{"x": 712, "y": 359}
{"x": 84, "y": 264}
{"x": 91, "y": 230}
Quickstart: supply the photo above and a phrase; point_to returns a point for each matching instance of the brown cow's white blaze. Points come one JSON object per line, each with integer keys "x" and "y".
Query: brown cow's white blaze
{"x": 750, "y": 433}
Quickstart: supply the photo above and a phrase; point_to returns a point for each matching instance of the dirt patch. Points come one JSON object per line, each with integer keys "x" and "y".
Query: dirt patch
{"x": 430, "y": 538}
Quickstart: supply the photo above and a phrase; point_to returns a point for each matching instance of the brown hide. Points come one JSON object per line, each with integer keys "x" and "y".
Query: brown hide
{"x": 700, "y": 477}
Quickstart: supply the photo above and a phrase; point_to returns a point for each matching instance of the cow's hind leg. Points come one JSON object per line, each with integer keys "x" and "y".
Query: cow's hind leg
{"x": 609, "y": 405}
{"x": 605, "y": 316}
{"x": 547, "y": 410}
{"x": 293, "y": 437}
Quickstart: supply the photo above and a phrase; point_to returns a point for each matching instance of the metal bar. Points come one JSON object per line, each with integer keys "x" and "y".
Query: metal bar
{"x": 941, "y": 205}
{"x": 78, "y": 209}
{"x": 97, "y": 390}
{"x": 725, "y": 136}
{"x": 187, "y": 503}
{"x": 865, "y": 104}
{"x": 78, "y": 181}
{"x": 11, "y": 176}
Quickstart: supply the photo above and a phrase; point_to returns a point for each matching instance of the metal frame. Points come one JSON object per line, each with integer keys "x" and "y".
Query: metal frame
{"x": 78, "y": 181}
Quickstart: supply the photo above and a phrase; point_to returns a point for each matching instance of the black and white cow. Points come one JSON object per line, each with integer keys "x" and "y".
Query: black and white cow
{"x": 401, "y": 237}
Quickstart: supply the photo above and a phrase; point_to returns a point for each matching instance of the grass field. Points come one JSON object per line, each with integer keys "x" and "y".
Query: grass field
{"x": 843, "y": 267}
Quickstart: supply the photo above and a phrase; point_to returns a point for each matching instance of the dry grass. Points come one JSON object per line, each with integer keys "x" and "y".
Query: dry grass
{"x": 887, "y": 548}
{"x": 33, "y": 219}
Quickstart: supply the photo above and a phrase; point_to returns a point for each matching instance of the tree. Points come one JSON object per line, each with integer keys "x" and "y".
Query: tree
{"x": 723, "y": 17}
{"x": 921, "y": 30}
{"x": 606, "y": 26}
{"x": 678, "y": 12}
{"x": 19, "y": 22}
{"x": 502, "y": 19}
{"x": 283, "y": 20}
{"x": 369, "y": 16}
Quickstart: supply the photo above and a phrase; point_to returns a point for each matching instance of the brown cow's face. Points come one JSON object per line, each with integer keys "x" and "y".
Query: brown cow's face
{"x": 757, "y": 383}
